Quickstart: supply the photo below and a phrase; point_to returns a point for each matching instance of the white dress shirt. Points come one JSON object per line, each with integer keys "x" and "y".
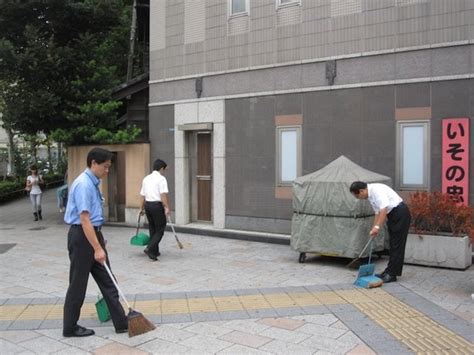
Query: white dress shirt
{"x": 381, "y": 196}
{"x": 153, "y": 185}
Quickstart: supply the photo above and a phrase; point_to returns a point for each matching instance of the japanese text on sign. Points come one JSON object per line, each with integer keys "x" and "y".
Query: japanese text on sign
{"x": 455, "y": 158}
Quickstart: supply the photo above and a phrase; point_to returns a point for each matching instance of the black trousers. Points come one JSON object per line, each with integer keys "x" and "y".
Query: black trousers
{"x": 155, "y": 213}
{"x": 398, "y": 223}
{"x": 81, "y": 255}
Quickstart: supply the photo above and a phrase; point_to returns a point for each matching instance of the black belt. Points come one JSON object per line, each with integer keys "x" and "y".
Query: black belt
{"x": 96, "y": 228}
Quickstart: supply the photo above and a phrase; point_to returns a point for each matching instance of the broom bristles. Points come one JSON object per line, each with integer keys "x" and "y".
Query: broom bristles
{"x": 138, "y": 324}
{"x": 354, "y": 264}
{"x": 179, "y": 243}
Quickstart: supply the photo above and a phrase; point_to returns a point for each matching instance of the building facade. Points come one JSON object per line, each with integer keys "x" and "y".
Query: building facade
{"x": 246, "y": 95}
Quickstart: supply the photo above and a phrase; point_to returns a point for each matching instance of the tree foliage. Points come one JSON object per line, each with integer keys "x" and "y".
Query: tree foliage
{"x": 60, "y": 60}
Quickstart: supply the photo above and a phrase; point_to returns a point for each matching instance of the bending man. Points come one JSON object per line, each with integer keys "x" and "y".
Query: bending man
{"x": 387, "y": 205}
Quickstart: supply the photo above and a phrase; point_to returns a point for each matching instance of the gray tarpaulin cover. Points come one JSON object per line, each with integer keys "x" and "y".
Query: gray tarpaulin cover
{"x": 327, "y": 219}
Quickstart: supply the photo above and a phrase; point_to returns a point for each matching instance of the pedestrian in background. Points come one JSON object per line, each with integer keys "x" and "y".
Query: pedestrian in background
{"x": 155, "y": 204}
{"x": 86, "y": 247}
{"x": 33, "y": 182}
{"x": 389, "y": 206}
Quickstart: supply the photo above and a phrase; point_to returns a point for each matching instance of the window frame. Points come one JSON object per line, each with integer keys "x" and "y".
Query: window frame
{"x": 425, "y": 124}
{"x": 280, "y": 5}
{"x": 279, "y": 130}
{"x": 230, "y": 14}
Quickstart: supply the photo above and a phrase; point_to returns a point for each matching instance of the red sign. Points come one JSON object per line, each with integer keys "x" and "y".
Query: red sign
{"x": 455, "y": 155}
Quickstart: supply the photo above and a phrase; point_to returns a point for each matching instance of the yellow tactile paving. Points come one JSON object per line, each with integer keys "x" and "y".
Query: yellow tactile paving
{"x": 420, "y": 333}
{"x": 174, "y": 306}
{"x": 353, "y": 296}
{"x": 35, "y": 312}
{"x": 280, "y": 300}
{"x": 254, "y": 302}
{"x": 201, "y": 305}
{"x": 88, "y": 310}
{"x": 329, "y": 297}
{"x": 377, "y": 294}
{"x": 409, "y": 326}
{"x": 231, "y": 303}
{"x": 11, "y": 312}
{"x": 304, "y": 299}
{"x": 148, "y": 307}
{"x": 56, "y": 312}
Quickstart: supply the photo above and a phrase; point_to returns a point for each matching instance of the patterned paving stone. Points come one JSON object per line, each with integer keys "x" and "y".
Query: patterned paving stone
{"x": 285, "y": 307}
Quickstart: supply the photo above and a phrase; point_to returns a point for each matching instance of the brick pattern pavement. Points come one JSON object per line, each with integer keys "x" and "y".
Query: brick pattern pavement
{"x": 221, "y": 296}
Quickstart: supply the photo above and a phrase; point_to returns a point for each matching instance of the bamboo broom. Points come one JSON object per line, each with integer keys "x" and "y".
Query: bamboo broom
{"x": 174, "y": 232}
{"x": 137, "y": 323}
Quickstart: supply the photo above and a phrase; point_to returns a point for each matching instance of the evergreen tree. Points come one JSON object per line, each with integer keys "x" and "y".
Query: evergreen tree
{"x": 60, "y": 60}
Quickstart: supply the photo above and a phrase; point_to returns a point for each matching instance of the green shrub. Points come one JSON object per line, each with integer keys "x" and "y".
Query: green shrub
{"x": 10, "y": 190}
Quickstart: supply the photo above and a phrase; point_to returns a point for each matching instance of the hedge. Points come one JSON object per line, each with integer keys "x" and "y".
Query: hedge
{"x": 13, "y": 189}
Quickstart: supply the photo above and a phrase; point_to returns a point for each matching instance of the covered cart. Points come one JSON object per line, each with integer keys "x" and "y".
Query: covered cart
{"x": 327, "y": 219}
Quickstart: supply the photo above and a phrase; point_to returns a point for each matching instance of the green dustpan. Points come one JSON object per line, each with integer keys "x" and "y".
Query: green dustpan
{"x": 141, "y": 238}
{"x": 102, "y": 309}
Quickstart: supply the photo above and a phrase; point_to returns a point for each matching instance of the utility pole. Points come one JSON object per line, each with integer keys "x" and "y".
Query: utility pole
{"x": 131, "y": 52}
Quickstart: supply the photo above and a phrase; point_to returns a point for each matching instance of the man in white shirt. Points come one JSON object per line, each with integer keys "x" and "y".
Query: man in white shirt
{"x": 155, "y": 204}
{"x": 387, "y": 205}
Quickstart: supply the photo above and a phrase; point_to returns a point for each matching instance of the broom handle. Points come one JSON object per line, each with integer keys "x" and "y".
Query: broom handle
{"x": 138, "y": 223}
{"x": 116, "y": 284}
{"x": 171, "y": 224}
{"x": 365, "y": 248}
{"x": 370, "y": 251}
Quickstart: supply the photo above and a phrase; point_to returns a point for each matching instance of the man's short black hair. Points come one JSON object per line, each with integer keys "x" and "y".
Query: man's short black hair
{"x": 356, "y": 186}
{"x": 158, "y": 164}
{"x": 100, "y": 155}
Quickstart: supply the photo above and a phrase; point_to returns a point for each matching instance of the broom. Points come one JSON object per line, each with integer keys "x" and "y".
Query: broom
{"x": 137, "y": 323}
{"x": 174, "y": 232}
{"x": 354, "y": 264}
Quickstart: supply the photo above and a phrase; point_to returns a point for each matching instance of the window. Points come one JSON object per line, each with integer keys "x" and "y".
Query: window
{"x": 413, "y": 155}
{"x": 288, "y": 2}
{"x": 238, "y": 7}
{"x": 288, "y": 154}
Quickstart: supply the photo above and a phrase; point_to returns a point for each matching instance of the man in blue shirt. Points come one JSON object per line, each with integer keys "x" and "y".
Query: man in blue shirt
{"x": 86, "y": 246}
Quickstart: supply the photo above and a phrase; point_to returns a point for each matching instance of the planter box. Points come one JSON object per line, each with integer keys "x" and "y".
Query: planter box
{"x": 437, "y": 250}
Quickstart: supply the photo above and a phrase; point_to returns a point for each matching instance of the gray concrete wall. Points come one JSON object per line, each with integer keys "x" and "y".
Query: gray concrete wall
{"x": 389, "y": 55}
{"x": 421, "y": 65}
{"x": 358, "y": 123}
{"x": 187, "y": 42}
{"x": 162, "y": 143}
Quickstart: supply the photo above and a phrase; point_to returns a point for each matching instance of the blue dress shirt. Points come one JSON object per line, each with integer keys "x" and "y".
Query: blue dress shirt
{"x": 85, "y": 195}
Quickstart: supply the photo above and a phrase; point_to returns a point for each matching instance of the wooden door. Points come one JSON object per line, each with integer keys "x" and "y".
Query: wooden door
{"x": 204, "y": 176}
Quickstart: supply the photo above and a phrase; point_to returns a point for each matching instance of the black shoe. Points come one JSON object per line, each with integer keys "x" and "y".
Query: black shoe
{"x": 388, "y": 278}
{"x": 150, "y": 255}
{"x": 121, "y": 331}
{"x": 79, "y": 332}
{"x": 381, "y": 275}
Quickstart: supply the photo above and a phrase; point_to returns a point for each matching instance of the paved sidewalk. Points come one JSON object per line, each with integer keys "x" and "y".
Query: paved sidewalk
{"x": 224, "y": 296}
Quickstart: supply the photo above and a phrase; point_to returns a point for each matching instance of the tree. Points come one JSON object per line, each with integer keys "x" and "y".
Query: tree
{"x": 61, "y": 59}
